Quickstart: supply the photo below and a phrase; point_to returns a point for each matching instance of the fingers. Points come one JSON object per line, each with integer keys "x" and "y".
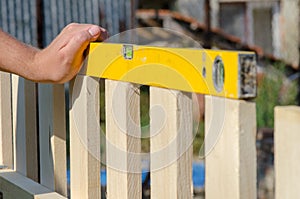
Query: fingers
{"x": 78, "y": 36}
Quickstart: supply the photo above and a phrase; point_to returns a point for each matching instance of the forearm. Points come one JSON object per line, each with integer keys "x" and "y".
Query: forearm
{"x": 58, "y": 63}
{"x": 17, "y": 57}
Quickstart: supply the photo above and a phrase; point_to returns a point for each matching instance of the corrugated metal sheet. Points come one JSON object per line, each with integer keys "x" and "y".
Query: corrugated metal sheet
{"x": 16, "y": 17}
{"x": 19, "y": 17}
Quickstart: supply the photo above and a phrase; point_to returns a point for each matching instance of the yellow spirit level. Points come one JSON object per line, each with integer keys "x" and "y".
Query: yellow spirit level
{"x": 230, "y": 74}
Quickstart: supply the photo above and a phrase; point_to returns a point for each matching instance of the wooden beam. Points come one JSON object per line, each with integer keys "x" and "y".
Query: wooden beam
{"x": 171, "y": 143}
{"x": 230, "y": 164}
{"x": 6, "y": 137}
{"x": 85, "y": 139}
{"x": 14, "y": 185}
{"x": 287, "y": 149}
{"x": 123, "y": 142}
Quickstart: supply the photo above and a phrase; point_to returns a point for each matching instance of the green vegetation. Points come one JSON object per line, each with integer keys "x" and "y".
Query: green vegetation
{"x": 274, "y": 89}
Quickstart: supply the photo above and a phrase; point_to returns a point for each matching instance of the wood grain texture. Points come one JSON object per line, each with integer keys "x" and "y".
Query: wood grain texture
{"x": 85, "y": 139}
{"x": 287, "y": 149}
{"x": 230, "y": 164}
{"x": 6, "y": 137}
{"x": 123, "y": 140}
{"x": 171, "y": 143}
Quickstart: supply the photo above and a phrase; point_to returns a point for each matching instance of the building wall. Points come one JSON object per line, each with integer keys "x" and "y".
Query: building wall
{"x": 289, "y": 19}
{"x": 192, "y": 8}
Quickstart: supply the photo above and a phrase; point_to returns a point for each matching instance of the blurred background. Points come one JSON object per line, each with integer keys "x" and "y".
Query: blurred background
{"x": 270, "y": 28}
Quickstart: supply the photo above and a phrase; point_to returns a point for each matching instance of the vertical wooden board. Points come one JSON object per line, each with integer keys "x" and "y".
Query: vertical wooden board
{"x": 18, "y": 114}
{"x": 6, "y": 142}
{"x": 287, "y": 149}
{"x": 32, "y": 143}
{"x": 52, "y": 129}
{"x": 85, "y": 139}
{"x": 123, "y": 143}
{"x": 230, "y": 164}
{"x": 45, "y": 132}
{"x": 58, "y": 140}
{"x": 170, "y": 143}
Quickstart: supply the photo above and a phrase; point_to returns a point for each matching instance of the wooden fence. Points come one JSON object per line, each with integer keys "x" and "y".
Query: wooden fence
{"x": 230, "y": 128}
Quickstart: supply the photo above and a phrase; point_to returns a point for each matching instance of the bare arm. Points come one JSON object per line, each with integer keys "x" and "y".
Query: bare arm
{"x": 58, "y": 63}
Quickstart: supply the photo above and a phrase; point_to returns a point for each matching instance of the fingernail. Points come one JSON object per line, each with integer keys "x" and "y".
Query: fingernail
{"x": 94, "y": 31}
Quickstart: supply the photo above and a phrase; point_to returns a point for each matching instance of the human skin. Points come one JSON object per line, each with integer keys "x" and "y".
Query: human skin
{"x": 57, "y": 63}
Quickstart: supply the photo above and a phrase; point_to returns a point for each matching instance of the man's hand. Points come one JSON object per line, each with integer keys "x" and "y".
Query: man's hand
{"x": 58, "y": 63}
{"x": 62, "y": 59}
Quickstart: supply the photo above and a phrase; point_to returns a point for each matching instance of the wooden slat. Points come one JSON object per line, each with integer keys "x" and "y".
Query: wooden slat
{"x": 45, "y": 133}
{"x": 85, "y": 139}
{"x": 287, "y": 149}
{"x": 123, "y": 142}
{"x": 32, "y": 164}
{"x": 230, "y": 164}
{"x": 6, "y": 142}
{"x": 13, "y": 185}
{"x": 171, "y": 143}
{"x": 58, "y": 140}
{"x": 52, "y": 128}
{"x": 25, "y": 127}
{"x": 19, "y": 133}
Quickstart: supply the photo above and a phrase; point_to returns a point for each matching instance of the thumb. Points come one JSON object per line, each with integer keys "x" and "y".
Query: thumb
{"x": 80, "y": 40}
{"x": 94, "y": 32}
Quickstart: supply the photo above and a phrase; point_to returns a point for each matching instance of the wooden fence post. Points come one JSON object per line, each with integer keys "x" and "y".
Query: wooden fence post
{"x": 85, "y": 139}
{"x": 123, "y": 140}
{"x": 287, "y": 149}
{"x": 171, "y": 143}
{"x": 230, "y": 164}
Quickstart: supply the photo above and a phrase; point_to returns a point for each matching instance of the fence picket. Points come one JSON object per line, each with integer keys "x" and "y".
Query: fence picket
{"x": 6, "y": 143}
{"x": 170, "y": 143}
{"x": 32, "y": 143}
{"x": 123, "y": 140}
{"x": 230, "y": 164}
{"x": 85, "y": 140}
{"x": 18, "y": 115}
{"x": 58, "y": 140}
{"x": 287, "y": 148}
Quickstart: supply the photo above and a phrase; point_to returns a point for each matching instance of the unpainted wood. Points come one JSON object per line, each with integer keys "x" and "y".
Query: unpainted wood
{"x": 287, "y": 149}
{"x": 58, "y": 140}
{"x": 85, "y": 139}
{"x": 123, "y": 142}
{"x": 230, "y": 149}
{"x": 14, "y": 185}
{"x": 6, "y": 137}
{"x": 31, "y": 124}
{"x": 171, "y": 143}
{"x": 45, "y": 105}
{"x": 19, "y": 132}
